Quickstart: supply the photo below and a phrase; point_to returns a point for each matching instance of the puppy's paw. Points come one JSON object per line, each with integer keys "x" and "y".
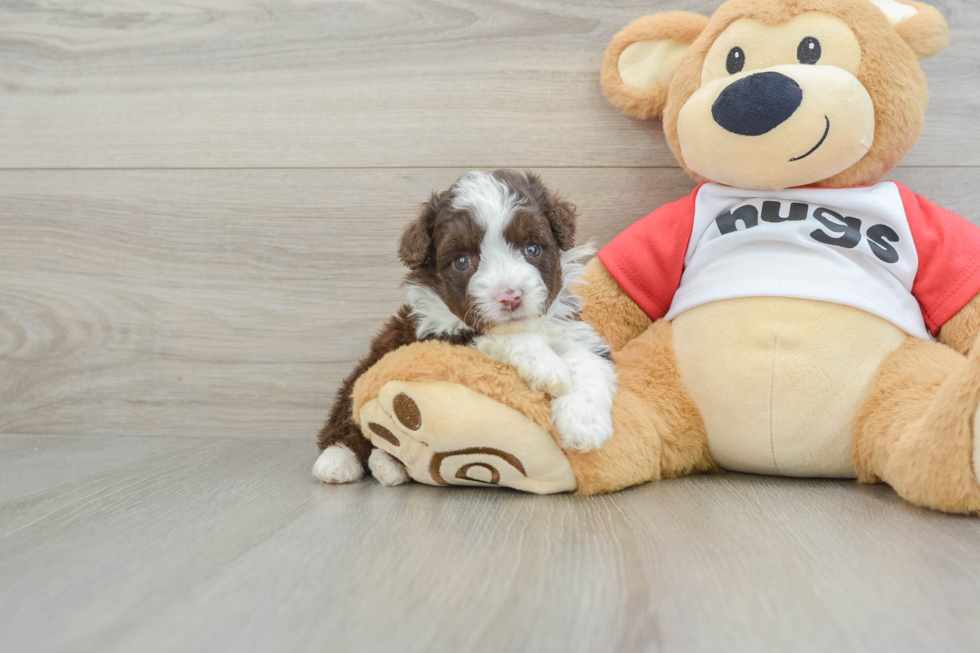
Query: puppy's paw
{"x": 337, "y": 464}
{"x": 546, "y": 374}
{"x": 387, "y": 469}
{"x": 582, "y": 424}
{"x": 535, "y": 362}
{"x": 491, "y": 346}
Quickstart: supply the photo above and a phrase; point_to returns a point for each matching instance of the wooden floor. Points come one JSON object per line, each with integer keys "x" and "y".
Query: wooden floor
{"x": 180, "y": 544}
{"x": 199, "y": 202}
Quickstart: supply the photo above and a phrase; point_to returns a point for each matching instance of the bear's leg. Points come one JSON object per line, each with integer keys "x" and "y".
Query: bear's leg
{"x": 915, "y": 429}
{"x": 658, "y": 431}
{"x": 455, "y": 417}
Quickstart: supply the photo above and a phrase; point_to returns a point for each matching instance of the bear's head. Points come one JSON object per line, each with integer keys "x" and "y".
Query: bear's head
{"x": 773, "y": 94}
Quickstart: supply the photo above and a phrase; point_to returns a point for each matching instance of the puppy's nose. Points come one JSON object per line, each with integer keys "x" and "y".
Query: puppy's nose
{"x": 509, "y": 300}
{"x": 757, "y": 104}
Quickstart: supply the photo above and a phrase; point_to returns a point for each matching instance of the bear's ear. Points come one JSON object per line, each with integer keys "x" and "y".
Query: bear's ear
{"x": 563, "y": 216}
{"x": 920, "y": 25}
{"x": 641, "y": 60}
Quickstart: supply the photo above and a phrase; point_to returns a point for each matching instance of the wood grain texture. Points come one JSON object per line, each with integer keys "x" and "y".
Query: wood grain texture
{"x": 232, "y": 303}
{"x": 157, "y": 544}
{"x": 226, "y": 303}
{"x": 362, "y": 83}
{"x": 213, "y": 312}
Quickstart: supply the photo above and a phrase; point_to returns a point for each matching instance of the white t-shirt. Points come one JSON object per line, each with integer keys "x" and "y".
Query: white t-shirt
{"x": 882, "y": 249}
{"x": 851, "y": 247}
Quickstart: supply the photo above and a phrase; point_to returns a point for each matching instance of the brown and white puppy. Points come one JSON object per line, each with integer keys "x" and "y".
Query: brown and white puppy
{"x": 491, "y": 261}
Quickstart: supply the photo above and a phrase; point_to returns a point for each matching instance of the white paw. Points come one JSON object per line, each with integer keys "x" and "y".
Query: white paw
{"x": 582, "y": 424}
{"x": 337, "y": 464}
{"x": 550, "y": 375}
{"x": 535, "y": 362}
{"x": 387, "y": 469}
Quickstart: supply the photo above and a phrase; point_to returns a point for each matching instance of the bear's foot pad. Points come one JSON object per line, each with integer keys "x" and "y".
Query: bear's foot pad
{"x": 447, "y": 434}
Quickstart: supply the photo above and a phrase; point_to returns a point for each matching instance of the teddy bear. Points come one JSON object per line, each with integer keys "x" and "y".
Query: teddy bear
{"x": 795, "y": 315}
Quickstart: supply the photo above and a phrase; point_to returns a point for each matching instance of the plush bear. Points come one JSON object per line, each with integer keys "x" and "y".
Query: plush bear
{"x": 794, "y": 315}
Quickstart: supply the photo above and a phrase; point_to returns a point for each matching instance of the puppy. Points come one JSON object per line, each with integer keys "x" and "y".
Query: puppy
{"x": 491, "y": 261}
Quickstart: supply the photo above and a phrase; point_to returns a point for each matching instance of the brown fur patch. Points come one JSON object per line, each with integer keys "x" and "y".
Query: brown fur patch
{"x": 915, "y": 428}
{"x": 340, "y": 427}
{"x": 560, "y": 214}
{"x": 533, "y": 228}
{"x": 455, "y": 234}
{"x": 416, "y": 246}
{"x": 608, "y": 308}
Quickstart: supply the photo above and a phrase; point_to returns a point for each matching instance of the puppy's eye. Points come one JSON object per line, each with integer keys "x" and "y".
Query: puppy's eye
{"x": 736, "y": 60}
{"x": 462, "y": 263}
{"x": 809, "y": 51}
{"x": 531, "y": 251}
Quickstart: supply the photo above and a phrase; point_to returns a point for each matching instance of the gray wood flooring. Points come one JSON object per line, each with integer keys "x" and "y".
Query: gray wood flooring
{"x": 199, "y": 201}
{"x": 169, "y": 544}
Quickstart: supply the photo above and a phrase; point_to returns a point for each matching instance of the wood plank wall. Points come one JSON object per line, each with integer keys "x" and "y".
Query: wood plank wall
{"x": 199, "y": 200}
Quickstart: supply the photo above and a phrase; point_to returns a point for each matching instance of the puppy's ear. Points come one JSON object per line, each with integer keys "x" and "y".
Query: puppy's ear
{"x": 920, "y": 25}
{"x": 641, "y": 60}
{"x": 562, "y": 215}
{"x": 417, "y": 247}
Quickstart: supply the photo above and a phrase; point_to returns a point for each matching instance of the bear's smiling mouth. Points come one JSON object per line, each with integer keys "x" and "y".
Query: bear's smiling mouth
{"x": 817, "y": 146}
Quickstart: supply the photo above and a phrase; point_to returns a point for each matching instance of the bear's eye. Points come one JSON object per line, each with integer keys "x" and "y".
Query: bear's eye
{"x": 809, "y": 51}
{"x": 736, "y": 60}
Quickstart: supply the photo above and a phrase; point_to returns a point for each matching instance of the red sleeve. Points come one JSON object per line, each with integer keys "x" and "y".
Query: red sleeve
{"x": 648, "y": 258}
{"x": 949, "y": 259}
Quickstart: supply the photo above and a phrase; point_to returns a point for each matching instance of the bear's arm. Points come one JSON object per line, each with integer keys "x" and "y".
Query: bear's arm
{"x": 947, "y": 280}
{"x": 632, "y": 281}
{"x": 607, "y": 307}
{"x": 963, "y": 328}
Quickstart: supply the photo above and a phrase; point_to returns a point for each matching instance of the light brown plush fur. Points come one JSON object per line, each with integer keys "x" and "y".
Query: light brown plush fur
{"x": 915, "y": 429}
{"x": 926, "y": 32}
{"x": 963, "y": 328}
{"x": 659, "y": 438}
{"x": 679, "y": 26}
{"x": 608, "y": 308}
{"x": 659, "y": 431}
{"x": 440, "y": 361}
{"x": 896, "y": 84}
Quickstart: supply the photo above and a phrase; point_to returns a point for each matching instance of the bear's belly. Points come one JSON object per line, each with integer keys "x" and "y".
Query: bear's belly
{"x": 779, "y": 381}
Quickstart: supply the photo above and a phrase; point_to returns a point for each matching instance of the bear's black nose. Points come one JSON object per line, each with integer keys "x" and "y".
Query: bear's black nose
{"x": 757, "y": 104}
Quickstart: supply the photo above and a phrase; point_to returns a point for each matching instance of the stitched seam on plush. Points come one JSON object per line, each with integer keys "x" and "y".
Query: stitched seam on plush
{"x": 772, "y": 392}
